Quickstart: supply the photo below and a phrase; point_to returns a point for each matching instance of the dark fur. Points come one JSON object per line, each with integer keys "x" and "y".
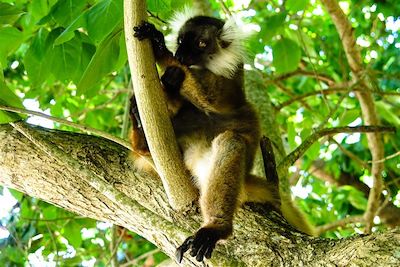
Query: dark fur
{"x": 214, "y": 125}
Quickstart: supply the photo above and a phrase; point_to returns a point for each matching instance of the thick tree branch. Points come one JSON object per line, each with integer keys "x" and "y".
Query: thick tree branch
{"x": 302, "y": 148}
{"x": 141, "y": 205}
{"x": 153, "y": 111}
{"x": 375, "y": 144}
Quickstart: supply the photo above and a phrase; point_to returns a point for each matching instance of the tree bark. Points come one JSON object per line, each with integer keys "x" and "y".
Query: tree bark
{"x": 261, "y": 237}
{"x": 153, "y": 111}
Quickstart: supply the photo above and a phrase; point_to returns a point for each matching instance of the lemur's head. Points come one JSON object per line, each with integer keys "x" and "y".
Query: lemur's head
{"x": 208, "y": 42}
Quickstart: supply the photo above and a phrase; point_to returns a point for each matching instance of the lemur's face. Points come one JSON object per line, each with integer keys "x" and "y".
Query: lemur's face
{"x": 198, "y": 40}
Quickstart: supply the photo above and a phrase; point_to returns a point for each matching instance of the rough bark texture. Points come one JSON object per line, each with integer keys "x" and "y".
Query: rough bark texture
{"x": 153, "y": 110}
{"x": 261, "y": 238}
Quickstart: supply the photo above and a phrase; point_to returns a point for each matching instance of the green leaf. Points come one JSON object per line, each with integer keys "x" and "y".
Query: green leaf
{"x": 287, "y": 55}
{"x": 65, "y": 59}
{"x": 64, "y": 12}
{"x": 158, "y": 5}
{"x": 8, "y": 98}
{"x": 68, "y": 33}
{"x": 103, "y": 18}
{"x": 357, "y": 199}
{"x": 296, "y": 5}
{"x": 9, "y": 13}
{"x": 349, "y": 116}
{"x": 10, "y": 40}
{"x": 36, "y": 60}
{"x": 50, "y": 213}
{"x": 102, "y": 62}
{"x": 14, "y": 255}
{"x": 72, "y": 232}
{"x": 385, "y": 111}
{"x": 291, "y": 135}
{"x": 274, "y": 24}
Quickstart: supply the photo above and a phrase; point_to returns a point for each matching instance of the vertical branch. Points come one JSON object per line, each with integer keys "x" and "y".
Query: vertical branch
{"x": 375, "y": 144}
{"x": 153, "y": 111}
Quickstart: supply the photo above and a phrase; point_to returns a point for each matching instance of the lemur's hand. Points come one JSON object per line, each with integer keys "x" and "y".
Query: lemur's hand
{"x": 202, "y": 244}
{"x": 172, "y": 78}
{"x": 147, "y": 30}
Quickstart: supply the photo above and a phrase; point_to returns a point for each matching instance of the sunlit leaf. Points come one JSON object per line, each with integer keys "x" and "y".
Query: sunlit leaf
{"x": 286, "y": 55}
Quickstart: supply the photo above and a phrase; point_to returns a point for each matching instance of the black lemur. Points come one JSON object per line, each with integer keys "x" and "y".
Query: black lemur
{"x": 217, "y": 129}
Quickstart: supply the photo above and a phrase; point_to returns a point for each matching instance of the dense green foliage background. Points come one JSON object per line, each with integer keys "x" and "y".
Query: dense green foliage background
{"x": 68, "y": 59}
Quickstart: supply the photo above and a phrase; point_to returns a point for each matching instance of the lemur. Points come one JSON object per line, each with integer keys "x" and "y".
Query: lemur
{"x": 217, "y": 129}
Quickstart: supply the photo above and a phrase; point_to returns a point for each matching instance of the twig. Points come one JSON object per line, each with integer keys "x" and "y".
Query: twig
{"x": 53, "y": 241}
{"x": 68, "y": 123}
{"x": 114, "y": 245}
{"x": 52, "y": 220}
{"x": 156, "y": 17}
{"x": 134, "y": 262}
{"x": 225, "y": 8}
{"x": 318, "y": 76}
{"x": 351, "y": 155}
{"x": 302, "y": 148}
{"x": 339, "y": 223}
{"x": 385, "y": 158}
{"x": 102, "y": 105}
{"x": 370, "y": 117}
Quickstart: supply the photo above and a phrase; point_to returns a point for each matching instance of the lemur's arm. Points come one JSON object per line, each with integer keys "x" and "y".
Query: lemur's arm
{"x": 193, "y": 85}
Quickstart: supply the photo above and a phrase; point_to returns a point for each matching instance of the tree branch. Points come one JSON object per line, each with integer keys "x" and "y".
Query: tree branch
{"x": 290, "y": 159}
{"x": 318, "y": 76}
{"x": 375, "y": 144}
{"x": 99, "y": 181}
{"x": 153, "y": 111}
{"x": 339, "y": 223}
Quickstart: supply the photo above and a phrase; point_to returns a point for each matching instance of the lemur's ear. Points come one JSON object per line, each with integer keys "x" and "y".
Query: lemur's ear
{"x": 222, "y": 43}
{"x": 231, "y": 54}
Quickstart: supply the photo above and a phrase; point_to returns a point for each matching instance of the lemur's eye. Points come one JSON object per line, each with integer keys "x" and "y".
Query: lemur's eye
{"x": 202, "y": 44}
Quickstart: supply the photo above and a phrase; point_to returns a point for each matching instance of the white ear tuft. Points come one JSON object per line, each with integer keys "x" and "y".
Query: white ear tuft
{"x": 176, "y": 23}
{"x": 227, "y": 60}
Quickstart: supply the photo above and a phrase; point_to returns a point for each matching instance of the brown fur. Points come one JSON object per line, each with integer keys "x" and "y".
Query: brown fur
{"x": 218, "y": 132}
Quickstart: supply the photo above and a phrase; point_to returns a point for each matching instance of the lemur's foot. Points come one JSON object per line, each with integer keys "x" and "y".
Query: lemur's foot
{"x": 202, "y": 244}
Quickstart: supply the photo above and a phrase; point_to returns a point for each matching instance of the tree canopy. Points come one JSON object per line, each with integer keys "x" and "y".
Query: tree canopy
{"x": 311, "y": 65}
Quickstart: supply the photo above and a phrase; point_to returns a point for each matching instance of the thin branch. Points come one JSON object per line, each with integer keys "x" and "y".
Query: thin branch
{"x": 114, "y": 245}
{"x": 53, "y": 220}
{"x": 351, "y": 155}
{"x": 369, "y": 114}
{"x": 156, "y": 17}
{"x": 318, "y": 76}
{"x": 386, "y": 158}
{"x": 301, "y": 149}
{"x": 225, "y": 8}
{"x": 53, "y": 240}
{"x": 340, "y": 223}
{"x": 332, "y": 90}
{"x": 136, "y": 261}
{"x": 83, "y": 128}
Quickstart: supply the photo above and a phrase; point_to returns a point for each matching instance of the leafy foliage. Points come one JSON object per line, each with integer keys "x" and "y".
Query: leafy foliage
{"x": 68, "y": 59}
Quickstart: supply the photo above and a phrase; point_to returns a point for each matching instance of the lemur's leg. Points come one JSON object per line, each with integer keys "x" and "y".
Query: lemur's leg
{"x": 137, "y": 137}
{"x": 219, "y": 195}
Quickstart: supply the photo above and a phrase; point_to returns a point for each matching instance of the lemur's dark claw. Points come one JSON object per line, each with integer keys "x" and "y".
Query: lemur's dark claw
{"x": 183, "y": 248}
{"x": 201, "y": 245}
